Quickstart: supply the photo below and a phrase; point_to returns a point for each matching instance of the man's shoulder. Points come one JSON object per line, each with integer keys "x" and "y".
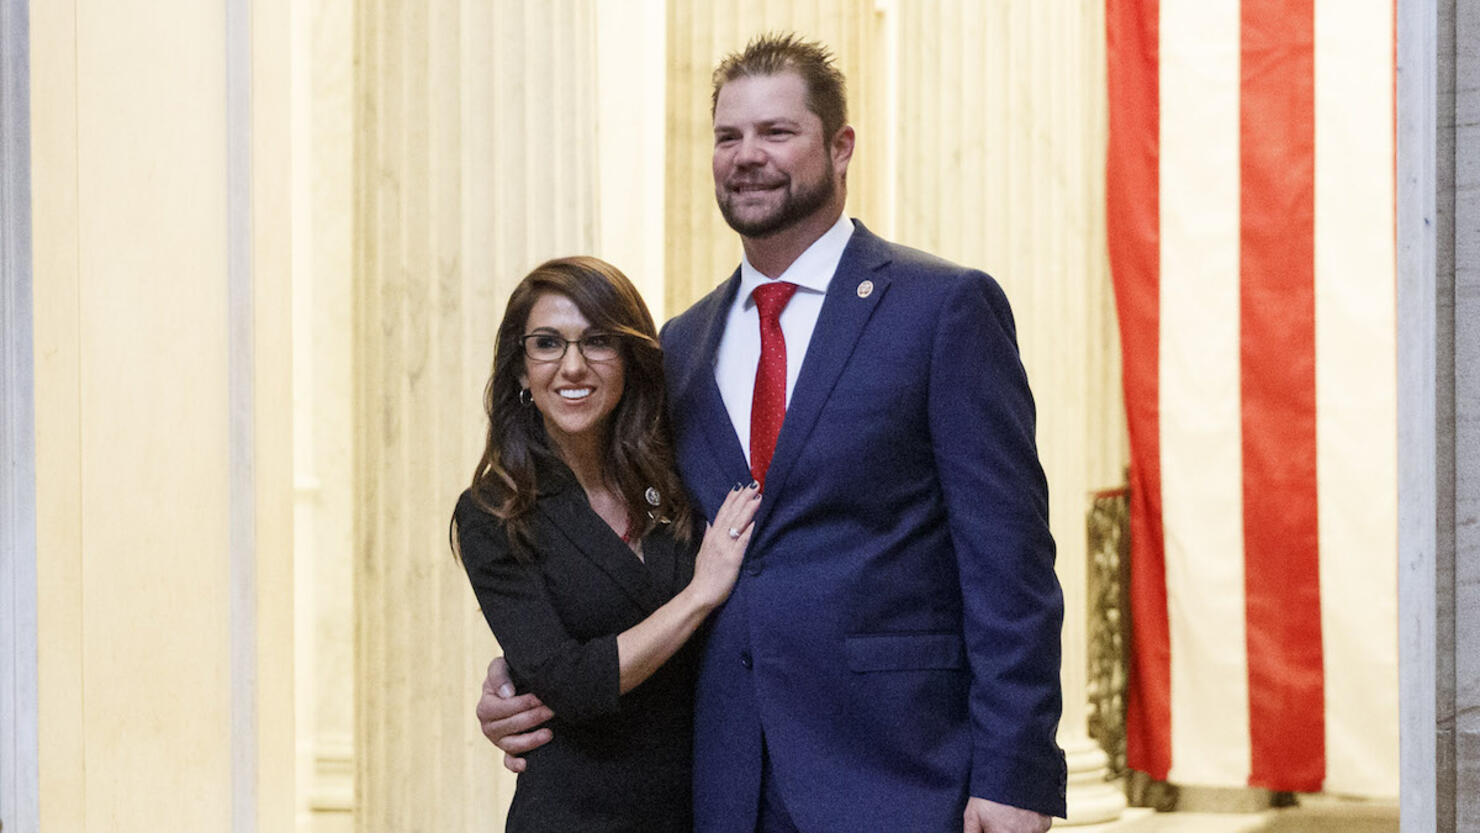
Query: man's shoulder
{"x": 908, "y": 262}
{"x": 932, "y": 284}
{"x": 910, "y": 257}
{"x": 688, "y": 323}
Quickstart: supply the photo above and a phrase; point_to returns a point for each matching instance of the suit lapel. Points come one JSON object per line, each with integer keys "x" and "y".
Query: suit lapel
{"x": 566, "y": 511}
{"x": 708, "y": 405}
{"x": 845, "y": 311}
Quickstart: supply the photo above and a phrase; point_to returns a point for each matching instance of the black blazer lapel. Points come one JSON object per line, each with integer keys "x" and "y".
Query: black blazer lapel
{"x": 845, "y": 311}
{"x": 567, "y": 513}
{"x": 660, "y": 553}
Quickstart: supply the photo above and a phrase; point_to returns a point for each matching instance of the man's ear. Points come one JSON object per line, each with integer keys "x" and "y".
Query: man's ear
{"x": 842, "y": 149}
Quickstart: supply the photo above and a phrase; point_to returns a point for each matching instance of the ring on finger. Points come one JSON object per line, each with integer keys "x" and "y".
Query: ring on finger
{"x": 734, "y": 534}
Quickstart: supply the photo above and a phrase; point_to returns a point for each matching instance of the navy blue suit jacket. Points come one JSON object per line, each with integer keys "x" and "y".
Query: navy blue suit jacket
{"x": 894, "y": 634}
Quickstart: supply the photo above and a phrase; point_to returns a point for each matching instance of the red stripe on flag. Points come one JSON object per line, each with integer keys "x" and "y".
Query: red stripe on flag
{"x": 1278, "y": 383}
{"x": 1134, "y": 231}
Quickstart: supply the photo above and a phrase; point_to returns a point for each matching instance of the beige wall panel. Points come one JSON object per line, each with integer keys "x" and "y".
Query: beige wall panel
{"x": 63, "y": 741}
{"x": 151, "y": 197}
{"x": 272, "y": 421}
{"x": 323, "y": 344}
{"x": 332, "y": 169}
{"x": 474, "y": 162}
{"x": 323, "y": 338}
{"x": 702, "y": 250}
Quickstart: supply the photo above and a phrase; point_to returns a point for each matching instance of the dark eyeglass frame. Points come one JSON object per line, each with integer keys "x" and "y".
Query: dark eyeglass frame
{"x": 580, "y": 343}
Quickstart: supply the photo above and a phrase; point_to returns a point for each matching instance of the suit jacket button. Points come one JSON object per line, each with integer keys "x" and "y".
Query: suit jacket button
{"x": 745, "y": 658}
{"x": 754, "y": 569}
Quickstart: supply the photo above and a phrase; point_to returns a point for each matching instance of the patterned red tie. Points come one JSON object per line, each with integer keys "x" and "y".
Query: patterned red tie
{"x": 768, "y": 405}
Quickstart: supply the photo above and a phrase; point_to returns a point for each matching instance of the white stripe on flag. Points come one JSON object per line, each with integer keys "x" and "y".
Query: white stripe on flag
{"x": 1201, "y": 456}
{"x": 1356, "y": 405}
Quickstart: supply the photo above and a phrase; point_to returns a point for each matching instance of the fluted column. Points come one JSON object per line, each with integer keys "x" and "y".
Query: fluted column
{"x": 632, "y": 71}
{"x": 1000, "y": 136}
{"x": 323, "y": 381}
{"x": 474, "y": 161}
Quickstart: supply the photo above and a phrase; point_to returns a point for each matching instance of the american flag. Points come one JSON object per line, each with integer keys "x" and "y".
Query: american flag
{"x": 1252, "y": 242}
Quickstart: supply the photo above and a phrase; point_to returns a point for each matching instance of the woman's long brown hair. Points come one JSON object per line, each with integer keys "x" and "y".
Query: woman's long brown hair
{"x": 639, "y": 453}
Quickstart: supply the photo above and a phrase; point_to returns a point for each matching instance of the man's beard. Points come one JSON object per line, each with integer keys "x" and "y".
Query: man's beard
{"x": 797, "y": 205}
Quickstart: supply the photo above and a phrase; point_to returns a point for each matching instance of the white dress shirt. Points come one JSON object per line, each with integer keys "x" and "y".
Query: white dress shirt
{"x": 740, "y": 345}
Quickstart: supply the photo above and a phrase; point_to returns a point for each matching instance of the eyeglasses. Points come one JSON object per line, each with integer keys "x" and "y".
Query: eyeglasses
{"x": 548, "y": 347}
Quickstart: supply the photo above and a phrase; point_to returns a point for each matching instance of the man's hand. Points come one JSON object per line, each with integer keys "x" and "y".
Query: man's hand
{"x": 507, "y": 720}
{"x": 983, "y": 816}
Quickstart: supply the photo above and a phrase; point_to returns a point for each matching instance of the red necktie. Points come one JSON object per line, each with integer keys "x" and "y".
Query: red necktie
{"x": 768, "y": 405}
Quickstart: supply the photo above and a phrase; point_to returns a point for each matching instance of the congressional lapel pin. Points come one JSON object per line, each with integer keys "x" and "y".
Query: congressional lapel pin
{"x": 865, "y": 289}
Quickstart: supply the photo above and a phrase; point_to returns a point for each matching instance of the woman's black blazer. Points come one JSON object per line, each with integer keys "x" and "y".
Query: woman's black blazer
{"x": 617, "y": 763}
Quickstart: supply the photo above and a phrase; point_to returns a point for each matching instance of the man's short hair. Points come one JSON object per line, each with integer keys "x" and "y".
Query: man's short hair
{"x": 775, "y": 53}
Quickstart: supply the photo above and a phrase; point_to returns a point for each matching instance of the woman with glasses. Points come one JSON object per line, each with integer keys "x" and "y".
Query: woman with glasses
{"x": 585, "y": 556}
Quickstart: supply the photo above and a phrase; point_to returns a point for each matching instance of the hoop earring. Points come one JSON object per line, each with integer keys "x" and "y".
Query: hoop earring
{"x": 525, "y": 398}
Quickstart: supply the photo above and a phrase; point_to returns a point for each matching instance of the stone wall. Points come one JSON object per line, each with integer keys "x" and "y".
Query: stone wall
{"x": 1457, "y": 418}
{"x": 1459, "y": 153}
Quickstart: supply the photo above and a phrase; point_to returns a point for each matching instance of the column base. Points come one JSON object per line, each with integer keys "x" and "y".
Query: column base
{"x": 1092, "y": 799}
{"x": 1132, "y": 820}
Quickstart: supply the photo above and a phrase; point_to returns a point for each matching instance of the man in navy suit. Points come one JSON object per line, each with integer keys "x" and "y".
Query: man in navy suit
{"x": 889, "y": 659}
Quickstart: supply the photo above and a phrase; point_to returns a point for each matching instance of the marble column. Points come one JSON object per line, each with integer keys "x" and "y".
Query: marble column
{"x": 19, "y": 741}
{"x": 1456, "y": 353}
{"x": 1466, "y": 519}
{"x": 323, "y": 384}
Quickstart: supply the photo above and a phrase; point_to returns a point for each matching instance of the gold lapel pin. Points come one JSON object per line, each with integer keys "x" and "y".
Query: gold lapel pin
{"x": 865, "y": 289}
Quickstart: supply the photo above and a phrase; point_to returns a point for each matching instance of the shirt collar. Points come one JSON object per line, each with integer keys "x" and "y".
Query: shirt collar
{"x": 812, "y": 271}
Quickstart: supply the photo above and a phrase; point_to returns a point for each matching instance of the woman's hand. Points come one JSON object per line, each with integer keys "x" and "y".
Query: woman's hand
{"x": 718, "y": 562}
{"x": 648, "y": 644}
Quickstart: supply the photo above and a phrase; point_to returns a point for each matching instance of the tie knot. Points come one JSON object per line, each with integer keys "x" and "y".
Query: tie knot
{"x": 770, "y": 298}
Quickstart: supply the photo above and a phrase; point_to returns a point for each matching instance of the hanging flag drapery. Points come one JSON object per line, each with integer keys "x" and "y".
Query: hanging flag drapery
{"x": 1251, "y": 227}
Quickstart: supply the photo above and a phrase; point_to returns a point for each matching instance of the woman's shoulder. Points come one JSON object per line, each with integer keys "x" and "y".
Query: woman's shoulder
{"x": 473, "y": 511}
{"x": 480, "y": 533}
{"x": 484, "y": 536}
